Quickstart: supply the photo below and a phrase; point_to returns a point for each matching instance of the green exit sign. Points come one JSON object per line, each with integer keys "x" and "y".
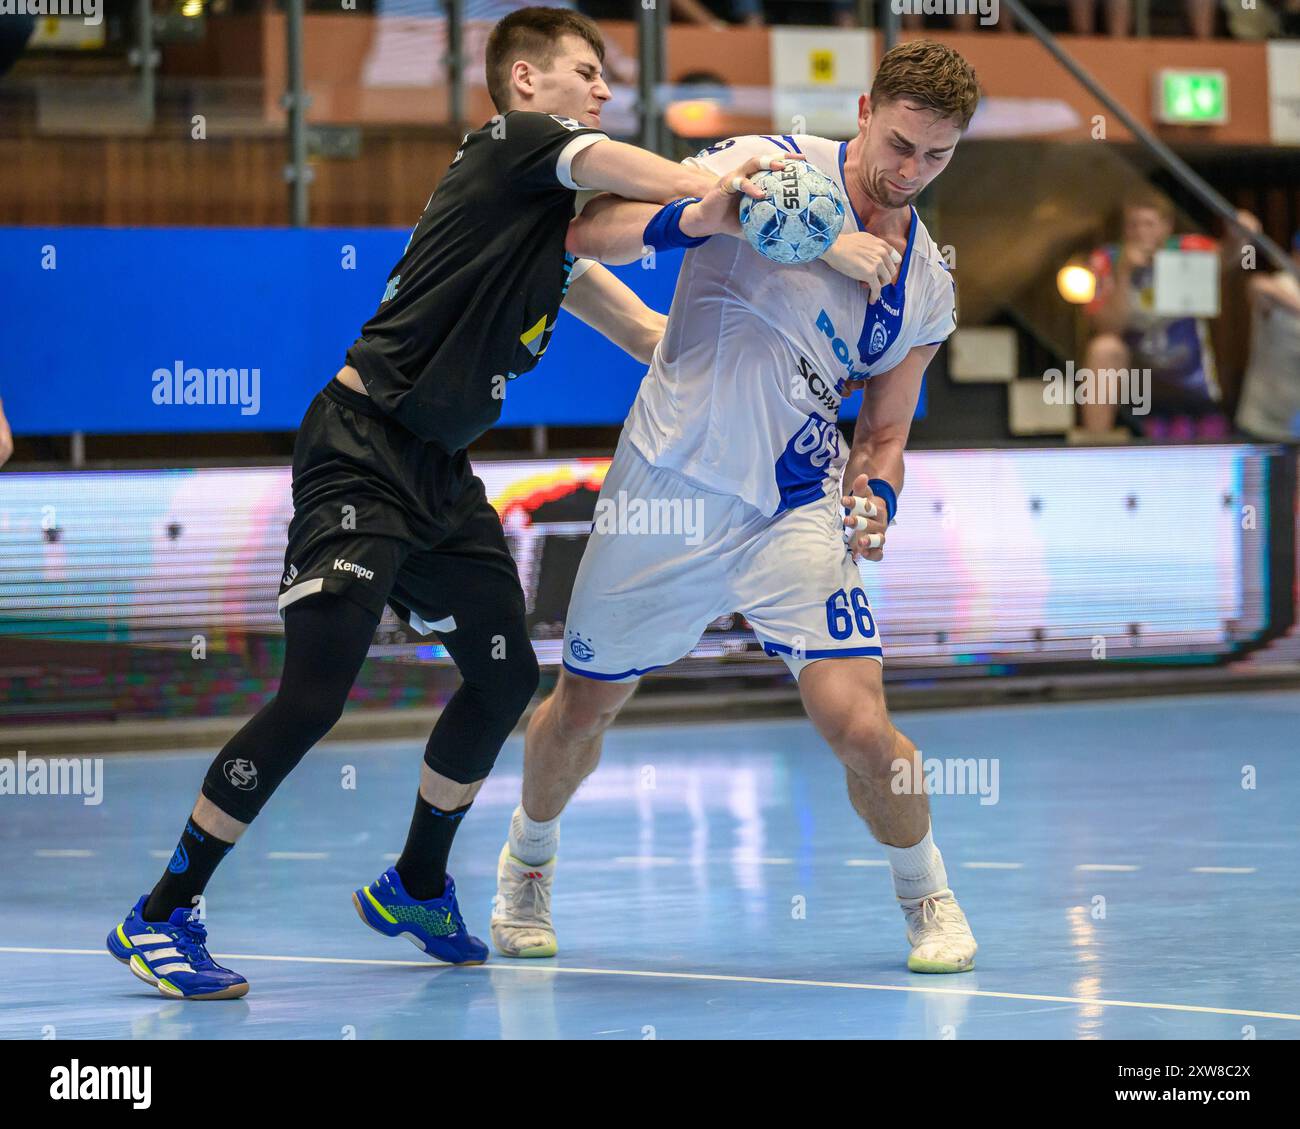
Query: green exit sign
{"x": 1191, "y": 97}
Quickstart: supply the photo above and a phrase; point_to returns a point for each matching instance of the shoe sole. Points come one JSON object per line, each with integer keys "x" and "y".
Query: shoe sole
{"x": 141, "y": 971}
{"x": 361, "y": 913}
{"x": 915, "y": 964}
{"x": 548, "y": 950}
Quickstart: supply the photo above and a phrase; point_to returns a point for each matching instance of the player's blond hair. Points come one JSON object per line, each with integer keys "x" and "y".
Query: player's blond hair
{"x": 928, "y": 74}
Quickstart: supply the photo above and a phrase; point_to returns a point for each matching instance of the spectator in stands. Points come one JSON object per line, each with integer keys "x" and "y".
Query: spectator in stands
{"x": 6, "y": 437}
{"x": 1127, "y": 333}
{"x": 1270, "y": 395}
{"x": 760, "y": 13}
{"x": 1261, "y": 20}
{"x": 1119, "y": 17}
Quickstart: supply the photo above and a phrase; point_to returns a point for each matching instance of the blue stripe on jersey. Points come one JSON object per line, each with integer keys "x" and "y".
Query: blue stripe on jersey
{"x": 844, "y": 146}
{"x": 775, "y": 142}
{"x": 885, "y": 316}
{"x": 801, "y": 470}
{"x": 792, "y": 143}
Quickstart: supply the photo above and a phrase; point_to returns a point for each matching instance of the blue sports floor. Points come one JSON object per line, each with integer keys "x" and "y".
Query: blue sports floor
{"x": 714, "y": 882}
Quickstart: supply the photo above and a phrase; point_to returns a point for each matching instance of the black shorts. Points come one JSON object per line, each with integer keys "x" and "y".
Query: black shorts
{"x": 383, "y": 517}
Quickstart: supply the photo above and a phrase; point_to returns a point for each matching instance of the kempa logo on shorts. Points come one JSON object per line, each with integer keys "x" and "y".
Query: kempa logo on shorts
{"x": 90, "y": 11}
{"x": 242, "y": 773}
{"x": 360, "y": 571}
{"x": 59, "y": 777}
{"x": 290, "y": 576}
{"x": 1131, "y": 386}
{"x": 682, "y": 517}
{"x": 987, "y": 10}
{"x": 181, "y": 386}
{"x": 103, "y": 1083}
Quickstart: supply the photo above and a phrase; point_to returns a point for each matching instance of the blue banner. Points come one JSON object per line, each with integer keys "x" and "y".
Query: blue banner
{"x": 108, "y": 326}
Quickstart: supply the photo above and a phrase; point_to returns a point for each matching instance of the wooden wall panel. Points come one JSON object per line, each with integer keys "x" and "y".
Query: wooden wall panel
{"x": 225, "y": 182}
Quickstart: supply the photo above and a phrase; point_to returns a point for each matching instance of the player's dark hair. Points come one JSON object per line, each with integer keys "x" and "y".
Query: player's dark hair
{"x": 931, "y": 75}
{"x": 533, "y": 34}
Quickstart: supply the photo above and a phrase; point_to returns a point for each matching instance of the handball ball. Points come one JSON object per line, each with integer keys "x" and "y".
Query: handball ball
{"x": 801, "y": 217}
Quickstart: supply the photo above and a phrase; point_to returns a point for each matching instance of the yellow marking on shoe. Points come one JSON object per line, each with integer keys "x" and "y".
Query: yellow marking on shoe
{"x": 170, "y": 988}
{"x": 388, "y": 917}
{"x": 122, "y": 937}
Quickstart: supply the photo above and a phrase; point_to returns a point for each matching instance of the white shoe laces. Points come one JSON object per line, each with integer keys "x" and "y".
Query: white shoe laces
{"x": 529, "y": 901}
{"x": 937, "y": 916}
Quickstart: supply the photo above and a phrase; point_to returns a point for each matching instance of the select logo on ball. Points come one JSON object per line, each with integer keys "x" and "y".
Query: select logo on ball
{"x": 801, "y": 217}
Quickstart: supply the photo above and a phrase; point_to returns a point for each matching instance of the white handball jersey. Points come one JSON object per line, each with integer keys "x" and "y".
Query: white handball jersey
{"x": 744, "y": 390}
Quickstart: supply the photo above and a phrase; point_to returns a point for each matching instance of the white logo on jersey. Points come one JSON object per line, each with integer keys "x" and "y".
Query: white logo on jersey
{"x": 568, "y": 123}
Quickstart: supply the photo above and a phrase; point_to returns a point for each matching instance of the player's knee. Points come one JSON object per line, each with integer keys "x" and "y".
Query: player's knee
{"x": 508, "y": 680}
{"x": 584, "y": 708}
{"x": 864, "y": 741}
{"x": 312, "y": 712}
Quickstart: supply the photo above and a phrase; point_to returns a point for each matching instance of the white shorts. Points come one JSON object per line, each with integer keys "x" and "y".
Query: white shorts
{"x": 667, "y": 557}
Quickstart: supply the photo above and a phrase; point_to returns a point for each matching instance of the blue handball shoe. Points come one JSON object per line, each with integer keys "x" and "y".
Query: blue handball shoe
{"x": 172, "y": 955}
{"x": 435, "y": 926}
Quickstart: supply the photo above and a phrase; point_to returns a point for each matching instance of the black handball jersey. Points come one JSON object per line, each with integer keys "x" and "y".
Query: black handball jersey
{"x": 473, "y": 300}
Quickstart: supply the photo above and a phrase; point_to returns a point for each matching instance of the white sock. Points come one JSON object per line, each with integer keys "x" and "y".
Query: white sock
{"x": 532, "y": 841}
{"x": 918, "y": 869}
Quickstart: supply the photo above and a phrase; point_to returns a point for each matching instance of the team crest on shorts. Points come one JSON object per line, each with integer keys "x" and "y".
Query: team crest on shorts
{"x": 581, "y": 650}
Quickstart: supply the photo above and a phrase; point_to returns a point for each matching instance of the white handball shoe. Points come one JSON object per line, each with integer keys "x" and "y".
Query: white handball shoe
{"x": 521, "y": 911}
{"x": 939, "y": 934}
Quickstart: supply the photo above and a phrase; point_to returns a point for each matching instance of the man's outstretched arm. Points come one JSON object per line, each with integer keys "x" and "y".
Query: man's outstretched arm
{"x": 613, "y": 310}
{"x": 611, "y": 229}
{"x": 636, "y": 174}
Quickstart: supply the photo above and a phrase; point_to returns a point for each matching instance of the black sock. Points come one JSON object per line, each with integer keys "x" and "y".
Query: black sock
{"x": 423, "y": 865}
{"x": 192, "y": 863}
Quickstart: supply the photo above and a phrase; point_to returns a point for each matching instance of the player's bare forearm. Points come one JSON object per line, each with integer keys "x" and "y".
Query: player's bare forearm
{"x": 885, "y": 419}
{"x": 625, "y": 170}
{"x": 613, "y": 310}
{"x": 876, "y": 459}
{"x": 610, "y": 230}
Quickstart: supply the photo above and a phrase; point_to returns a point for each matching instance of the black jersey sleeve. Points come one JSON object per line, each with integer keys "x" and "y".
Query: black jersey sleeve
{"x": 537, "y": 149}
